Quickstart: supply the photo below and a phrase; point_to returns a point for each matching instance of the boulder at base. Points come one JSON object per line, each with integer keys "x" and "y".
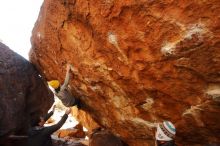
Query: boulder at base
{"x": 104, "y": 138}
{"x": 23, "y": 93}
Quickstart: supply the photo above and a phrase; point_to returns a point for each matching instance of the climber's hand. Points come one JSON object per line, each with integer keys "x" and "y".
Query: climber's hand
{"x": 68, "y": 67}
{"x": 68, "y": 111}
{"x": 72, "y": 68}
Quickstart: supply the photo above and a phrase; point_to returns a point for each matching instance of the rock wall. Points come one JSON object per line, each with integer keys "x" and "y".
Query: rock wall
{"x": 23, "y": 93}
{"x": 87, "y": 121}
{"x": 137, "y": 63}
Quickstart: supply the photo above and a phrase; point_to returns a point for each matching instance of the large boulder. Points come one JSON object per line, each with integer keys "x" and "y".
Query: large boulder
{"x": 23, "y": 93}
{"x": 137, "y": 63}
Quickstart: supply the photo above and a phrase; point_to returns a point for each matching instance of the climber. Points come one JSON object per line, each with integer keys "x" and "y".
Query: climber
{"x": 165, "y": 134}
{"x": 63, "y": 92}
{"x": 38, "y": 135}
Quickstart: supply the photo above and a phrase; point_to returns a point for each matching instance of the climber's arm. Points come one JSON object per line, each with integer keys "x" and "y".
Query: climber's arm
{"x": 49, "y": 130}
{"x": 48, "y": 115}
{"x": 67, "y": 77}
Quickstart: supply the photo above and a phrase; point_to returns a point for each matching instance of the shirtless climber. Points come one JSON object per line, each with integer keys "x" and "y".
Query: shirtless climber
{"x": 165, "y": 134}
{"x": 39, "y": 135}
{"x": 63, "y": 92}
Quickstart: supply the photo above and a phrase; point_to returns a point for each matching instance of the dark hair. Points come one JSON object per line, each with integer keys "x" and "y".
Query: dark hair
{"x": 35, "y": 121}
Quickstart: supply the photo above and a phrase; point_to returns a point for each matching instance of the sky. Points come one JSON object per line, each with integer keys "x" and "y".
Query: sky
{"x": 17, "y": 19}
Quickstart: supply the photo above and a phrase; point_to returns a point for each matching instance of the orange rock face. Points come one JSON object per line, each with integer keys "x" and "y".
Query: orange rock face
{"x": 137, "y": 63}
{"x": 86, "y": 119}
{"x": 76, "y": 132}
{"x": 71, "y": 133}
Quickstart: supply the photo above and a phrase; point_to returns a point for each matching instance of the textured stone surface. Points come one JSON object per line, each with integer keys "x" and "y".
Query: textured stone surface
{"x": 23, "y": 94}
{"x": 57, "y": 142}
{"x": 76, "y": 132}
{"x": 104, "y": 138}
{"x": 137, "y": 63}
{"x": 101, "y": 137}
{"x": 86, "y": 119}
{"x": 71, "y": 133}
